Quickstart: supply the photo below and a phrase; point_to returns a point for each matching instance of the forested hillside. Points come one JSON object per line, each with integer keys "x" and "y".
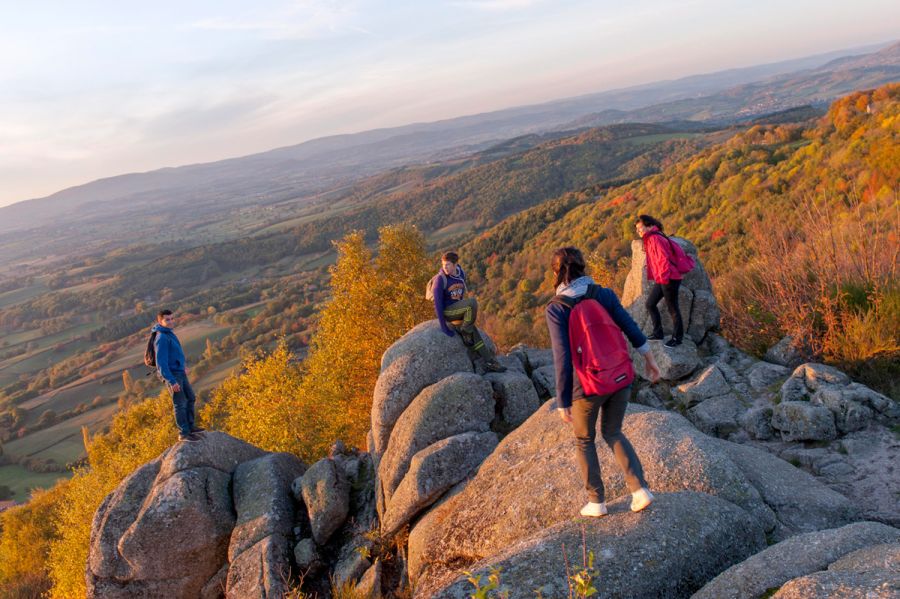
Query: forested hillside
{"x": 798, "y": 224}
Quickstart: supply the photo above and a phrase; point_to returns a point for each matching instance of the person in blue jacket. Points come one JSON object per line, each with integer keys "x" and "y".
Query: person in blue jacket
{"x": 582, "y": 411}
{"x": 171, "y": 367}
{"x": 455, "y": 310}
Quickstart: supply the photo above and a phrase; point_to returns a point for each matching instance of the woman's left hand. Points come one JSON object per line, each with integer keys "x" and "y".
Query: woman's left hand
{"x": 565, "y": 414}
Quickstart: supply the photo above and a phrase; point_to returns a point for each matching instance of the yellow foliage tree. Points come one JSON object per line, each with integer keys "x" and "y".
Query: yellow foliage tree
{"x": 374, "y": 302}
{"x": 137, "y": 435}
{"x": 27, "y": 532}
{"x": 280, "y": 406}
{"x": 264, "y": 406}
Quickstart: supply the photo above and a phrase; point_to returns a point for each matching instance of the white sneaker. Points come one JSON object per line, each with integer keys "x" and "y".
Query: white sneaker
{"x": 641, "y": 499}
{"x": 594, "y": 510}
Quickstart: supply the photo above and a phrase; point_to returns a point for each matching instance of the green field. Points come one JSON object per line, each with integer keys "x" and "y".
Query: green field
{"x": 659, "y": 137}
{"x": 71, "y": 338}
{"x": 22, "y": 337}
{"x": 70, "y": 396}
{"x": 61, "y": 442}
{"x": 16, "y": 296}
{"x": 21, "y": 481}
{"x": 451, "y": 231}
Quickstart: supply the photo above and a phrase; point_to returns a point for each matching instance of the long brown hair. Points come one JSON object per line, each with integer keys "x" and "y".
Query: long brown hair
{"x": 568, "y": 265}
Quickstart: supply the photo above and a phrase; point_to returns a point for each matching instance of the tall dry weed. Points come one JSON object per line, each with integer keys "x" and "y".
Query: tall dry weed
{"x": 826, "y": 276}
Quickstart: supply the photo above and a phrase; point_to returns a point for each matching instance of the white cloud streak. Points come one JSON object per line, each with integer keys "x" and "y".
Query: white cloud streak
{"x": 301, "y": 20}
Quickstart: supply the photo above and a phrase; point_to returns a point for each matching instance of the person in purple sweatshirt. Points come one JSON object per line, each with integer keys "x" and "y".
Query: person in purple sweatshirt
{"x": 456, "y": 313}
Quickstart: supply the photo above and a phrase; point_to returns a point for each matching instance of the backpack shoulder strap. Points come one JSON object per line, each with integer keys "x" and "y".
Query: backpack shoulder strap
{"x": 565, "y": 300}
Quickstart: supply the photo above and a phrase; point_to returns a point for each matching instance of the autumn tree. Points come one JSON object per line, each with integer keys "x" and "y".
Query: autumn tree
{"x": 137, "y": 434}
{"x": 27, "y": 533}
{"x": 264, "y": 405}
{"x": 374, "y": 301}
{"x": 280, "y": 405}
{"x": 127, "y": 381}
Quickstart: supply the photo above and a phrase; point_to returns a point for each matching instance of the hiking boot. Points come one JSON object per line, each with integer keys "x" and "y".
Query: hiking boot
{"x": 198, "y": 430}
{"x": 673, "y": 342}
{"x": 594, "y": 510}
{"x": 656, "y": 337}
{"x": 190, "y": 437}
{"x": 641, "y": 499}
{"x": 494, "y": 366}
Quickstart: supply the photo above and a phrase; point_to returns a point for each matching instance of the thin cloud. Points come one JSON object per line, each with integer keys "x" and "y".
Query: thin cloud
{"x": 306, "y": 20}
{"x": 496, "y": 5}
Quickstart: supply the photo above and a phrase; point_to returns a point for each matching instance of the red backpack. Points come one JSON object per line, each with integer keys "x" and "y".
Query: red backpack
{"x": 599, "y": 353}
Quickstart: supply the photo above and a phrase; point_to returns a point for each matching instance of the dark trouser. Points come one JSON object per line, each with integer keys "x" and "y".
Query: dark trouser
{"x": 670, "y": 292}
{"x": 461, "y": 316}
{"x": 584, "y": 423}
{"x": 184, "y": 404}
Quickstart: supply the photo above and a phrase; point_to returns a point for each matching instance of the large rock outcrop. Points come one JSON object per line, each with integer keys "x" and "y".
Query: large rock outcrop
{"x": 484, "y": 478}
{"x": 529, "y": 483}
{"x": 794, "y": 558}
{"x": 420, "y": 358}
{"x": 432, "y": 472}
{"x": 166, "y": 529}
{"x": 699, "y": 309}
{"x": 458, "y": 404}
{"x": 261, "y": 542}
{"x": 668, "y": 552}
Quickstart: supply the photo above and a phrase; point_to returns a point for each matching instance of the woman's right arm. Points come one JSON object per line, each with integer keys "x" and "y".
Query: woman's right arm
{"x": 657, "y": 255}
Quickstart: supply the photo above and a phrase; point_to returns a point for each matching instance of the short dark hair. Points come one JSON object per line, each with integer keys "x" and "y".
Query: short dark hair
{"x": 450, "y": 257}
{"x": 649, "y": 221}
{"x": 162, "y": 313}
{"x": 568, "y": 264}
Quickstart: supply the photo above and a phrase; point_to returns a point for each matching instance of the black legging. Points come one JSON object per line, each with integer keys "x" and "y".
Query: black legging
{"x": 670, "y": 292}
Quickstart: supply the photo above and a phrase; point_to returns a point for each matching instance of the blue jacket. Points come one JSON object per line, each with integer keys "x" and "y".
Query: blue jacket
{"x": 568, "y": 386}
{"x": 169, "y": 355}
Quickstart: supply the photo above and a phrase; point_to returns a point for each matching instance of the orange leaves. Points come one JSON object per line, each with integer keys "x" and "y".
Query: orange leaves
{"x": 628, "y": 196}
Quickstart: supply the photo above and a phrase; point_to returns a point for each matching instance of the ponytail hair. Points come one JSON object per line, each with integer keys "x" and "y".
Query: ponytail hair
{"x": 568, "y": 265}
{"x": 649, "y": 221}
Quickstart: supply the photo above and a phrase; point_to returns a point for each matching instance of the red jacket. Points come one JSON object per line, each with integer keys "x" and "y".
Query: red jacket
{"x": 660, "y": 257}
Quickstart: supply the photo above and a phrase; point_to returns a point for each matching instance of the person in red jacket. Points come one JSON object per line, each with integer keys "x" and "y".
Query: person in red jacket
{"x": 666, "y": 277}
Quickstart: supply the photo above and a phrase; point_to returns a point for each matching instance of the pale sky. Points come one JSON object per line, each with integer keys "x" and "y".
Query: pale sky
{"x": 95, "y": 88}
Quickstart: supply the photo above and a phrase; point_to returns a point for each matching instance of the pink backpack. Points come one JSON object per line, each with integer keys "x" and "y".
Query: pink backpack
{"x": 599, "y": 353}
{"x": 682, "y": 262}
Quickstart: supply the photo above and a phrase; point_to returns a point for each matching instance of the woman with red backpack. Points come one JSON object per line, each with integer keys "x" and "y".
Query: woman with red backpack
{"x": 664, "y": 261}
{"x": 586, "y": 323}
